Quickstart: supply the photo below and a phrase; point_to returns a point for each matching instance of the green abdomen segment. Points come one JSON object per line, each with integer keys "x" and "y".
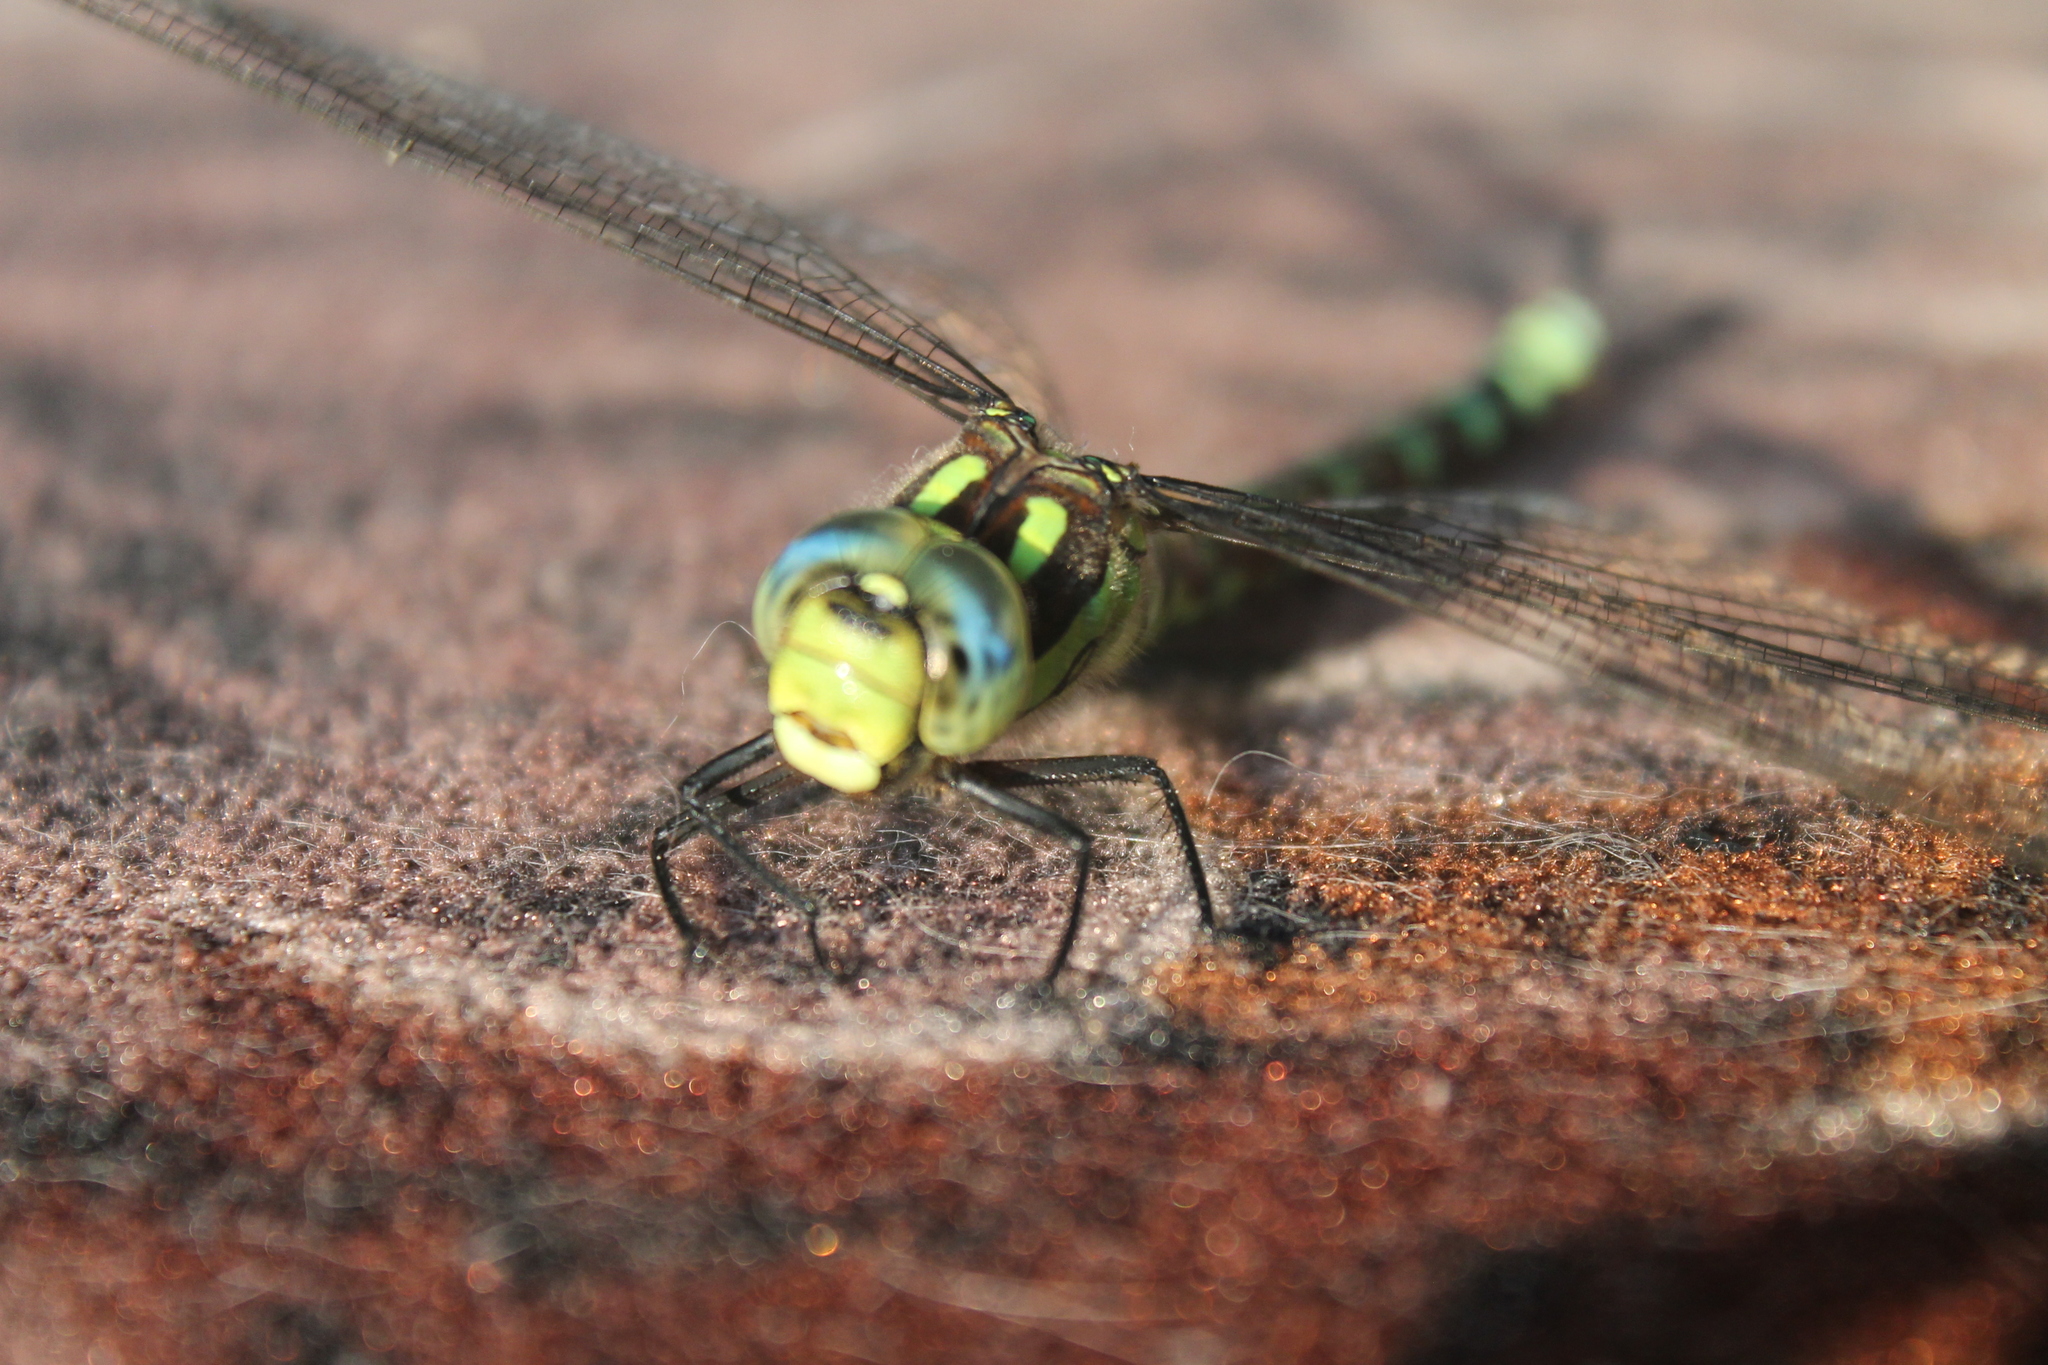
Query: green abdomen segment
{"x": 1545, "y": 351}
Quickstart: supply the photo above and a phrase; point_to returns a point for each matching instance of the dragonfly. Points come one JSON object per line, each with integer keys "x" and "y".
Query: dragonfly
{"x": 1015, "y": 567}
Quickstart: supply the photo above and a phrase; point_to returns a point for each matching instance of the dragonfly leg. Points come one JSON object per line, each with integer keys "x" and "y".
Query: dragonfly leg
{"x": 969, "y": 781}
{"x": 1064, "y": 772}
{"x": 708, "y": 800}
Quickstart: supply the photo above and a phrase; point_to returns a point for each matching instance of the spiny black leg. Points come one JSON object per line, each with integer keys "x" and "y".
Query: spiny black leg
{"x": 670, "y": 835}
{"x": 967, "y": 781}
{"x": 1060, "y": 772}
{"x": 684, "y": 825}
{"x": 706, "y": 809}
{"x": 712, "y": 825}
{"x": 734, "y": 760}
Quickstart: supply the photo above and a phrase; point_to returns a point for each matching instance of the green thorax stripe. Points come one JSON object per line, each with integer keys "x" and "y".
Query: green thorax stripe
{"x": 1038, "y": 536}
{"x": 957, "y": 488}
{"x": 1051, "y": 518}
{"x": 944, "y": 485}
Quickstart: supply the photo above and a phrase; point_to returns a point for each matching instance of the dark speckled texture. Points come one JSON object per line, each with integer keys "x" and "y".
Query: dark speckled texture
{"x": 363, "y": 554}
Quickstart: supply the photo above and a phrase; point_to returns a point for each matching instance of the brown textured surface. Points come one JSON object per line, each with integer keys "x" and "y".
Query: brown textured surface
{"x": 360, "y": 540}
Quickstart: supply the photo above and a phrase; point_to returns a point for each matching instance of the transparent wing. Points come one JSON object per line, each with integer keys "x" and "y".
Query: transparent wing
{"x": 1890, "y": 710}
{"x": 672, "y": 216}
{"x": 951, "y": 300}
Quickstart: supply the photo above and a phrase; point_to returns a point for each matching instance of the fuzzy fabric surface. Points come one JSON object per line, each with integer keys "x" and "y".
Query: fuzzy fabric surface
{"x": 369, "y": 556}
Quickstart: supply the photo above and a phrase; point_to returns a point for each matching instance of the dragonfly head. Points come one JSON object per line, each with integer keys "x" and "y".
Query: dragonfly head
{"x": 882, "y": 627}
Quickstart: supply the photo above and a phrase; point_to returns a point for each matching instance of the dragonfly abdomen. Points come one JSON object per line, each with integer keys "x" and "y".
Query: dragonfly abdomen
{"x": 1544, "y": 353}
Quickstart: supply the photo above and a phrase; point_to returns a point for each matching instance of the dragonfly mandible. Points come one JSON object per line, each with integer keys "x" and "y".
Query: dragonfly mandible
{"x": 1014, "y": 567}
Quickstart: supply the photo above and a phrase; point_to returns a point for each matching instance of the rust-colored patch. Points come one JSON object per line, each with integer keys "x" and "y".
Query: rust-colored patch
{"x": 363, "y": 565}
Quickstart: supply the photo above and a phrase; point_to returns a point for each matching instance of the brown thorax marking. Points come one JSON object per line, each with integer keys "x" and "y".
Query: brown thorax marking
{"x": 1055, "y": 518}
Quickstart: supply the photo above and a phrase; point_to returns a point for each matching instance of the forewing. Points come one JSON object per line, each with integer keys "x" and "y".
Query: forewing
{"x": 951, "y": 300}
{"x": 1890, "y": 710}
{"x": 672, "y": 216}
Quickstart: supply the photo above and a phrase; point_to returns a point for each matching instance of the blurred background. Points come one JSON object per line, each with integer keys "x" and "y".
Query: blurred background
{"x": 365, "y": 549}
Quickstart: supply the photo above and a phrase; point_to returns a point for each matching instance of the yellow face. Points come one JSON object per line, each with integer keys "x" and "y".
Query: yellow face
{"x": 882, "y": 629}
{"x": 845, "y": 688}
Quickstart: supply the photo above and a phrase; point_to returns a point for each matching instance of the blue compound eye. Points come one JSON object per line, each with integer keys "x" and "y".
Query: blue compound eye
{"x": 879, "y": 541}
{"x": 977, "y": 651}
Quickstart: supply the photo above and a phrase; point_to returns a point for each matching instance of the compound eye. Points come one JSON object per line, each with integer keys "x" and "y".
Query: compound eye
{"x": 867, "y": 549}
{"x": 950, "y": 646}
{"x": 977, "y": 647}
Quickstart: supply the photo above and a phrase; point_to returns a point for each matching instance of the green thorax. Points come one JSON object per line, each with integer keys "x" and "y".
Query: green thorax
{"x": 1061, "y": 525}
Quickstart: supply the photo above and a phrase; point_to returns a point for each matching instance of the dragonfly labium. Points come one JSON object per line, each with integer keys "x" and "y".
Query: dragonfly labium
{"x": 1015, "y": 567}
